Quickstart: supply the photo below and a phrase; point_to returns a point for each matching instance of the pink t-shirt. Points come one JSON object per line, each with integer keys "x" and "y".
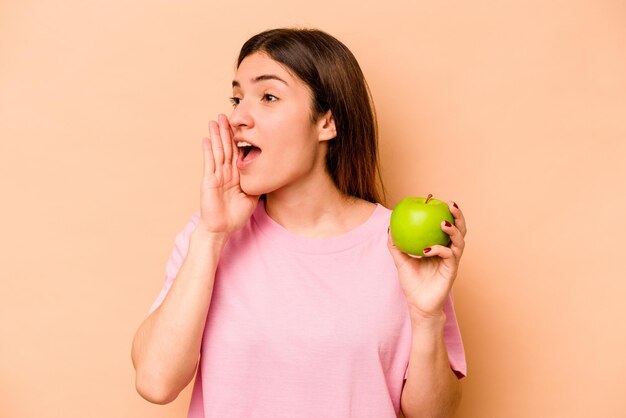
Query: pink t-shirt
{"x": 302, "y": 327}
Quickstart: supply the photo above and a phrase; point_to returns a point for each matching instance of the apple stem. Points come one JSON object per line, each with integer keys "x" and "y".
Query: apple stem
{"x": 428, "y": 198}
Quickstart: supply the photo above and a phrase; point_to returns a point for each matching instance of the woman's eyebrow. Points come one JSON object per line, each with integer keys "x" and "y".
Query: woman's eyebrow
{"x": 262, "y": 78}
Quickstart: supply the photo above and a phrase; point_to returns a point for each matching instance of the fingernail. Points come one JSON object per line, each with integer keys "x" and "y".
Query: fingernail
{"x": 454, "y": 204}
{"x": 448, "y": 224}
{"x": 427, "y": 250}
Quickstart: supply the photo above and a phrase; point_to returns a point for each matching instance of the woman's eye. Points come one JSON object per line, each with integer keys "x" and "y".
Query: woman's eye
{"x": 235, "y": 101}
{"x": 269, "y": 97}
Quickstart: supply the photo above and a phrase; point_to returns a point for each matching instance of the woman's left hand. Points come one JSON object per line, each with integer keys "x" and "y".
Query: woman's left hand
{"x": 426, "y": 281}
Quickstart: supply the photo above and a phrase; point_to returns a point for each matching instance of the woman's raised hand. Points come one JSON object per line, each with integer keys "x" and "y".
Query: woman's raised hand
{"x": 224, "y": 207}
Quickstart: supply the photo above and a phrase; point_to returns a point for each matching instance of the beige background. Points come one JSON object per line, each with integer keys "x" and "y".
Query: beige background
{"x": 516, "y": 110}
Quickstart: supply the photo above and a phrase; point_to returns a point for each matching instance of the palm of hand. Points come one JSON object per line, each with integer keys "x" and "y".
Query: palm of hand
{"x": 224, "y": 206}
{"x": 424, "y": 281}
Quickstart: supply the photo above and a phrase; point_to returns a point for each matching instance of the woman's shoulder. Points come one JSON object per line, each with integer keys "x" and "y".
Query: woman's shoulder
{"x": 369, "y": 209}
{"x": 369, "y": 215}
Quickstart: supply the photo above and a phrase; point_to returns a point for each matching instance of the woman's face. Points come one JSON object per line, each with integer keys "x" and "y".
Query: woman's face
{"x": 272, "y": 112}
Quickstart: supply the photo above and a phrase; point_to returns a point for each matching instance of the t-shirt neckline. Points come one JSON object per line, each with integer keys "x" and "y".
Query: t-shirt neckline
{"x": 377, "y": 223}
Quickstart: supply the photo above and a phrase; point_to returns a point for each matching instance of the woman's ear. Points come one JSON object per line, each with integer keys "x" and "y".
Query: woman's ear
{"x": 326, "y": 127}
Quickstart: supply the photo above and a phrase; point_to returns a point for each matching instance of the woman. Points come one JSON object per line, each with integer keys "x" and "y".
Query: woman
{"x": 285, "y": 290}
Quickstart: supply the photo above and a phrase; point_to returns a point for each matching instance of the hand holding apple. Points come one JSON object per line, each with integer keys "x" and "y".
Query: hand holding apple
{"x": 416, "y": 224}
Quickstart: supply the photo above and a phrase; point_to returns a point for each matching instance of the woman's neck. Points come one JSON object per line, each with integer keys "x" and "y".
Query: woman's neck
{"x": 317, "y": 210}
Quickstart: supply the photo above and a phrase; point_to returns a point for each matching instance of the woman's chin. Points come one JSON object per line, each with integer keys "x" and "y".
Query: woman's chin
{"x": 252, "y": 189}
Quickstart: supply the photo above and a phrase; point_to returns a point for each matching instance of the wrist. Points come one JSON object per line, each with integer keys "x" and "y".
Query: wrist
{"x": 214, "y": 240}
{"x": 428, "y": 333}
{"x": 427, "y": 320}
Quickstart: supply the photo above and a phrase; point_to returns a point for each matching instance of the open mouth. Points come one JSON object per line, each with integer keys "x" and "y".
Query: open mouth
{"x": 247, "y": 151}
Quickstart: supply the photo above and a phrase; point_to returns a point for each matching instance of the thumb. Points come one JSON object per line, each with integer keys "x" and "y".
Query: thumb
{"x": 398, "y": 256}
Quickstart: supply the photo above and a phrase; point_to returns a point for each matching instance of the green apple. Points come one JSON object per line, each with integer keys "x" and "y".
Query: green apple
{"x": 416, "y": 224}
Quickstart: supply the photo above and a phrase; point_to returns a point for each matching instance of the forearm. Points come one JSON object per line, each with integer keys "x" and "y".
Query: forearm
{"x": 166, "y": 347}
{"x": 431, "y": 389}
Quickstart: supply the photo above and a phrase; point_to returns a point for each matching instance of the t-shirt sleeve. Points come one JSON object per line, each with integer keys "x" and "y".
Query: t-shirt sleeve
{"x": 454, "y": 343}
{"x": 452, "y": 338}
{"x": 176, "y": 258}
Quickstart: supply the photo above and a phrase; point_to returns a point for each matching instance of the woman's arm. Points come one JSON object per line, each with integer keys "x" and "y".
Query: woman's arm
{"x": 166, "y": 346}
{"x": 431, "y": 389}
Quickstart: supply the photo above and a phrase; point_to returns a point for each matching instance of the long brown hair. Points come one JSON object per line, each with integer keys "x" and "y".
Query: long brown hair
{"x": 337, "y": 84}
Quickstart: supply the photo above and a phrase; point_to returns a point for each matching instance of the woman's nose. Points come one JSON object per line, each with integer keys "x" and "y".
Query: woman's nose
{"x": 240, "y": 116}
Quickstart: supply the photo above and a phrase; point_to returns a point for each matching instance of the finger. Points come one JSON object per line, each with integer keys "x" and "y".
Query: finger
{"x": 457, "y": 242}
{"x": 227, "y": 141}
{"x": 399, "y": 257}
{"x": 207, "y": 154}
{"x": 235, "y": 154}
{"x": 459, "y": 219}
{"x": 448, "y": 260}
{"x": 216, "y": 144}
{"x": 235, "y": 148}
{"x": 222, "y": 123}
{"x": 445, "y": 253}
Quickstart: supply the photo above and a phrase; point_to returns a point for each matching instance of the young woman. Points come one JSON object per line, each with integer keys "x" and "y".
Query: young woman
{"x": 284, "y": 290}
